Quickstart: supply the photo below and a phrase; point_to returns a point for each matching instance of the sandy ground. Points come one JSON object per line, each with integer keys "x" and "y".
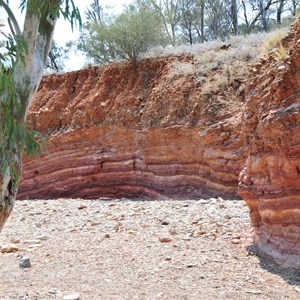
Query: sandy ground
{"x": 126, "y": 249}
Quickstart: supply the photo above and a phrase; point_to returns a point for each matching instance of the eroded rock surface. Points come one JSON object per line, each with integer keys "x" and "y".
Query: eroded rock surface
{"x": 116, "y": 131}
{"x": 155, "y": 133}
{"x": 270, "y": 181}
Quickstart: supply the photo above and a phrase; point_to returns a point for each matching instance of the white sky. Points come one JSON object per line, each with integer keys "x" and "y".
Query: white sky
{"x": 63, "y": 32}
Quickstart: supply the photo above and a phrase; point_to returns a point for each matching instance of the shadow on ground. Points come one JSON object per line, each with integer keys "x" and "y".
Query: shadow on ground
{"x": 290, "y": 275}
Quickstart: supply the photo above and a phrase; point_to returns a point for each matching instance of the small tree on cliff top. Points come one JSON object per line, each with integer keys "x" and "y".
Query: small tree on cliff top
{"x": 22, "y": 62}
{"x": 135, "y": 30}
{"x": 124, "y": 36}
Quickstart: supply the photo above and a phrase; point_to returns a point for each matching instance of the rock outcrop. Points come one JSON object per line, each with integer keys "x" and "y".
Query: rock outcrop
{"x": 119, "y": 131}
{"x": 156, "y": 132}
{"x": 270, "y": 180}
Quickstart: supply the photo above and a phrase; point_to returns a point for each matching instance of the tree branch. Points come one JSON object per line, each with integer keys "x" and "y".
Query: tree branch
{"x": 12, "y": 18}
{"x": 264, "y": 9}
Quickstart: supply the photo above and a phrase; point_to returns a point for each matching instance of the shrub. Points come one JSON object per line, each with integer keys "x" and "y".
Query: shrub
{"x": 124, "y": 36}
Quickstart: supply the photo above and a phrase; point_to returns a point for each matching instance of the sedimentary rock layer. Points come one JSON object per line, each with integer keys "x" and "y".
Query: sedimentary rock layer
{"x": 119, "y": 131}
{"x": 122, "y": 162}
{"x": 270, "y": 181}
{"x": 145, "y": 131}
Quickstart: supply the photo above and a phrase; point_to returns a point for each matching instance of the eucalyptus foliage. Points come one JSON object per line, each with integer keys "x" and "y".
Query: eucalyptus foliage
{"x": 15, "y": 132}
{"x": 15, "y": 135}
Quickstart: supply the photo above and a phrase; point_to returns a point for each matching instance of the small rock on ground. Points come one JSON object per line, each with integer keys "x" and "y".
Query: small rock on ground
{"x": 24, "y": 263}
{"x": 72, "y": 297}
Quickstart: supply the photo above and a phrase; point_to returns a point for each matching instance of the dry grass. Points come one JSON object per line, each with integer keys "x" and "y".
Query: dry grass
{"x": 242, "y": 48}
{"x": 221, "y": 68}
{"x": 273, "y": 44}
{"x": 180, "y": 68}
{"x": 209, "y": 56}
{"x": 281, "y": 52}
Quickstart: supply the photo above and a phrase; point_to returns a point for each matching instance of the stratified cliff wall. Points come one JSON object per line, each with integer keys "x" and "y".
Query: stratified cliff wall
{"x": 270, "y": 180}
{"x": 169, "y": 129}
{"x": 119, "y": 131}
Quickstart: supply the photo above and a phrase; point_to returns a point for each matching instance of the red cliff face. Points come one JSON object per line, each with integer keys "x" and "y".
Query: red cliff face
{"x": 270, "y": 180}
{"x": 155, "y": 133}
{"x": 116, "y": 131}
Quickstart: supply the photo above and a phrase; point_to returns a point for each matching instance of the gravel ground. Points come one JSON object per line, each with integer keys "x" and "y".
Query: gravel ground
{"x": 127, "y": 249}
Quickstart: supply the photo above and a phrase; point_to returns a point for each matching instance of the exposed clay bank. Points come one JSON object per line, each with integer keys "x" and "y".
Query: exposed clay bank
{"x": 270, "y": 180}
{"x": 117, "y": 131}
{"x": 147, "y": 132}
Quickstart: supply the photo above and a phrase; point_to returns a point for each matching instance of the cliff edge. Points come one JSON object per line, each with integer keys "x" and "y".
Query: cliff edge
{"x": 176, "y": 128}
{"x": 270, "y": 180}
{"x": 147, "y": 132}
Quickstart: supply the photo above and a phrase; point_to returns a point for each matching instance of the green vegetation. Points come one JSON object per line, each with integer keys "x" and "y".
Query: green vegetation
{"x": 145, "y": 24}
{"x": 22, "y": 60}
{"x": 56, "y": 58}
{"x": 124, "y": 36}
{"x": 15, "y": 135}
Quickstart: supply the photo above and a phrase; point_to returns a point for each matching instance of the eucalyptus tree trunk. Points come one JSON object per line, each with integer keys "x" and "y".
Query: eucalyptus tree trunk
{"x": 168, "y": 11}
{"x": 280, "y": 10}
{"x": 234, "y": 17}
{"x": 202, "y": 3}
{"x": 294, "y": 4}
{"x": 37, "y": 33}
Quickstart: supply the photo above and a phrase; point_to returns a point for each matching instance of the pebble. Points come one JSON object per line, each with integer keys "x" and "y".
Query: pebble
{"x": 54, "y": 291}
{"x": 165, "y": 239}
{"x": 190, "y": 250}
{"x": 254, "y": 292}
{"x": 191, "y": 266}
{"x": 24, "y": 263}
{"x": 281, "y": 68}
{"x": 80, "y": 207}
{"x": 72, "y": 297}
{"x": 95, "y": 223}
{"x": 15, "y": 241}
{"x": 203, "y": 201}
{"x": 42, "y": 238}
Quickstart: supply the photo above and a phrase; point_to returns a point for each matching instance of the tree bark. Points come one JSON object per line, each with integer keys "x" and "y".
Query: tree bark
{"x": 37, "y": 32}
{"x": 7, "y": 200}
{"x": 294, "y": 7}
{"x": 280, "y": 10}
{"x": 234, "y": 17}
{"x": 202, "y": 21}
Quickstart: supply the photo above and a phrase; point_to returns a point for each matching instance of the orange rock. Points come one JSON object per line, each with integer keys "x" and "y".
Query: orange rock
{"x": 165, "y": 239}
{"x": 270, "y": 180}
{"x": 115, "y": 131}
{"x": 9, "y": 248}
